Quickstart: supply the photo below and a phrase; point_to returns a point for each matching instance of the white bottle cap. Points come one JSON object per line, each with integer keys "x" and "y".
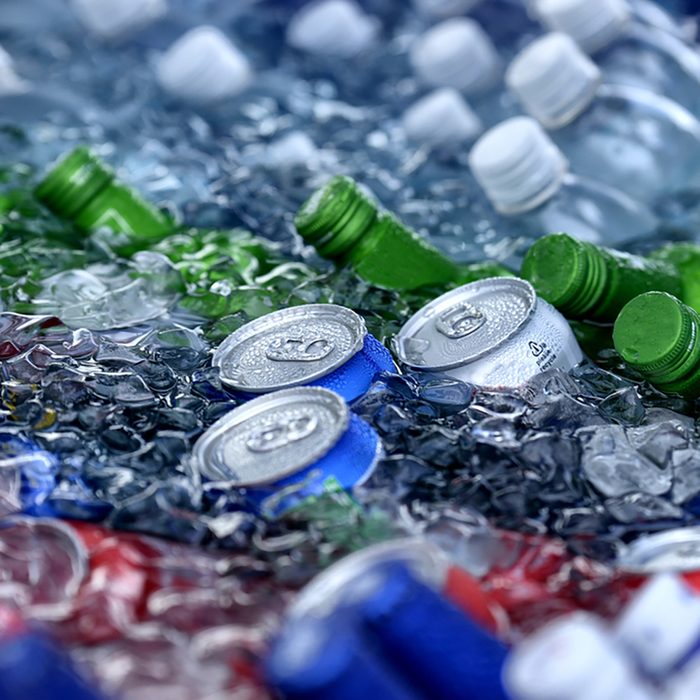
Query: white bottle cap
{"x": 112, "y": 19}
{"x": 292, "y": 149}
{"x": 204, "y": 66}
{"x": 517, "y": 165}
{"x": 456, "y": 53}
{"x": 10, "y": 82}
{"x": 333, "y": 28}
{"x": 553, "y": 79}
{"x": 444, "y": 8}
{"x": 441, "y": 118}
{"x": 593, "y": 24}
{"x": 662, "y": 624}
{"x": 572, "y": 658}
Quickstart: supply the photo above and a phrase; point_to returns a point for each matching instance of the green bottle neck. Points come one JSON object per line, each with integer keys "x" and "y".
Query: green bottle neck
{"x": 659, "y": 335}
{"x": 73, "y": 183}
{"x": 336, "y": 218}
{"x": 570, "y": 274}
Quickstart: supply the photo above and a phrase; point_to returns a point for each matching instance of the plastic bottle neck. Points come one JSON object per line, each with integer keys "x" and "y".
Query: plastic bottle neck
{"x": 592, "y": 24}
{"x": 111, "y": 20}
{"x": 659, "y": 336}
{"x": 554, "y": 80}
{"x": 570, "y": 274}
{"x": 457, "y": 53}
{"x": 336, "y": 217}
{"x": 518, "y": 166}
{"x": 333, "y": 28}
{"x": 71, "y": 184}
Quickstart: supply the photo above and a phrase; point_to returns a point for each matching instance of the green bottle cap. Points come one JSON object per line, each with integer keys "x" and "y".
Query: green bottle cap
{"x": 335, "y": 217}
{"x": 566, "y": 272}
{"x": 73, "y": 182}
{"x": 658, "y": 335}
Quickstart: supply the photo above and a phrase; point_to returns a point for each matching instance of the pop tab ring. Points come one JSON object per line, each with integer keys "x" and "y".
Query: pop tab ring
{"x": 465, "y": 324}
{"x": 289, "y": 347}
{"x": 272, "y": 437}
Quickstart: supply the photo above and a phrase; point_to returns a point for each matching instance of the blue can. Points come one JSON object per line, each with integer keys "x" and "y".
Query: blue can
{"x": 286, "y": 447}
{"x": 35, "y": 472}
{"x": 329, "y": 659}
{"x": 409, "y": 629}
{"x": 32, "y": 668}
{"x": 438, "y": 648}
{"x": 322, "y": 345}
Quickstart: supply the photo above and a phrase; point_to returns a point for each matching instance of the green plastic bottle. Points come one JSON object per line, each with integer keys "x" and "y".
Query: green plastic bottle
{"x": 585, "y": 281}
{"x": 685, "y": 257}
{"x": 659, "y": 336}
{"x": 84, "y": 190}
{"x": 347, "y": 226}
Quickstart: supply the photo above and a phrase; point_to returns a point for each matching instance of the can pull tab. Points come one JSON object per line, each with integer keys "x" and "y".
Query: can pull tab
{"x": 281, "y": 433}
{"x": 288, "y": 349}
{"x": 460, "y": 321}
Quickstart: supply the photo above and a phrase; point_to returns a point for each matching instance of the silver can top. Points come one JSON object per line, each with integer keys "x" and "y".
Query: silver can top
{"x": 272, "y": 436}
{"x": 289, "y": 347}
{"x": 672, "y": 550}
{"x": 465, "y": 324}
{"x": 351, "y": 578}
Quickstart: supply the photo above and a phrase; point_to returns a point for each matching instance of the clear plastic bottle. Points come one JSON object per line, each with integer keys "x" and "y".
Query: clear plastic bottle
{"x": 459, "y": 54}
{"x": 628, "y": 51}
{"x": 526, "y": 178}
{"x": 623, "y": 136}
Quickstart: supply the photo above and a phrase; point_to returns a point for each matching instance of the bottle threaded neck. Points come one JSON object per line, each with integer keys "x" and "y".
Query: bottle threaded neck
{"x": 659, "y": 336}
{"x": 73, "y": 182}
{"x": 570, "y": 274}
{"x": 336, "y": 217}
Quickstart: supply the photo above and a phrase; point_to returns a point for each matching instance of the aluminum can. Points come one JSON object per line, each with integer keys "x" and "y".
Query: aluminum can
{"x": 27, "y": 476}
{"x": 31, "y": 666}
{"x": 321, "y": 345}
{"x": 574, "y": 657}
{"x": 425, "y": 560}
{"x": 675, "y": 550}
{"x": 492, "y": 333}
{"x": 393, "y": 593}
{"x": 660, "y": 627}
{"x": 292, "y": 445}
{"x": 438, "y": 648}
{"x": 329, "y": 659}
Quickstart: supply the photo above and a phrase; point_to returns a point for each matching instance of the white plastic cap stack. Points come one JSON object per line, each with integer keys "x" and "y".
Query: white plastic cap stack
{"x": 457, "y": 53}
{"x": 592, "y": 24}
{"x": 203, "y": 66}
{"x": 10, "y": 82}
{"x": 662, "y": 624}
{"x": 573, "y": 658}
{"x": 332, "y": 28}
{"x": 441, "y": 118}
{"x": 114, "y": 19}
{"x": 517, "y": 165}
{"x": 553, "y": 79}
{"x": 444, "y": 8}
